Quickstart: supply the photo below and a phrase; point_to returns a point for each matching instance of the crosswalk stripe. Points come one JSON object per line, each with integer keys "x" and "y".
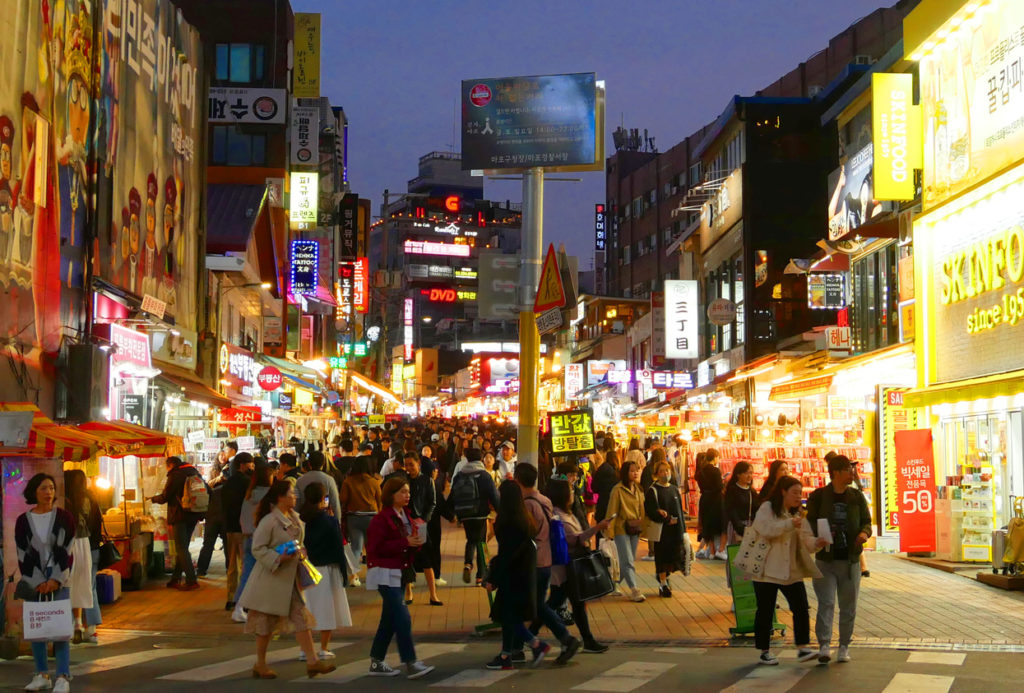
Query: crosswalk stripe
{"x": 97, "y": 666}
{"x": 681, "y": 650}
{"x": 776, "y": 679}
{"x": 919, "y": 683}
{"x": 625, "y": 677}
{"x": 473, "y": 678}
{"x": 231, "y": 667}
{"x": 953, "y": 659}
{"x": 360, "y": 668}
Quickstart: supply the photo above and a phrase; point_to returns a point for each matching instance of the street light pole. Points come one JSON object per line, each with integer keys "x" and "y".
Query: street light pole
{"x": 528, "y": 434}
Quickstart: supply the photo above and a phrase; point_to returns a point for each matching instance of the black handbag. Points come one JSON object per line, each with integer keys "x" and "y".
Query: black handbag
{"x": 589, "y": 576}
{"x": 109, "y": 553}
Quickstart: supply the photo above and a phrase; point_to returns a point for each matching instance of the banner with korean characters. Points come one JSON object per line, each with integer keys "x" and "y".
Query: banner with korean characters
{"x": 892, "y": 418}
{"x": 251, "y": 106}
{"x": 572, "y": 432}
{"x": 915, "y": 477}
{"x": 150, "y": 130}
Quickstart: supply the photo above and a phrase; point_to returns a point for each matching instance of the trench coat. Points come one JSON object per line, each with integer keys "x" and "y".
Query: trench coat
{"x": 272, "y": 581}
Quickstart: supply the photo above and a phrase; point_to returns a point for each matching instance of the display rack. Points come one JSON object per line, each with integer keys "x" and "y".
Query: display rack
{"x": 978, "y": 503}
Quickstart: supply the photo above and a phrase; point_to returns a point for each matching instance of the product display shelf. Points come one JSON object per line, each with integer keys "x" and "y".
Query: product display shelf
{"x": 978, "y": 503}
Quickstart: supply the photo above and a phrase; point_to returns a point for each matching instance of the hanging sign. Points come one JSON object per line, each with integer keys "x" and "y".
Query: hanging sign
{"x": 896, "y": 132}
{"x": 572, "y": 432}
{"x": 305, "y": 258}
{"x": 915, "y": 477}
{"x": 573, "y": 380}
{"x": 681, "y": 306}
{"x": 305, "y": 194}
{"x": 305, "y": 135}
{"x": 721, "y": 311}
{"x": 269, "y": 378}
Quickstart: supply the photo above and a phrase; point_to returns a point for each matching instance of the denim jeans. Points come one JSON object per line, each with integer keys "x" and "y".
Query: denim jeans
{"x": 248, "y": 562}
{"x": 838, "y": 579}
{"x": 514, "y": 636}
{"x": 357, "y": 527}
{"x": 545, "y": 614}
{"x": 394, "y": 622}
{"x": 626, "y": 546}
{"x": 183, "y": 559}
{"x": 476, "y": 534}
{"x": 61, "y": 652}
{"x": 93, "y": 617}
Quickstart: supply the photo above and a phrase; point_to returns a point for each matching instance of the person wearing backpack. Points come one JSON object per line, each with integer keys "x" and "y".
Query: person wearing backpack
{"x": 188, "y": 498}
{"x": 472, "y": 497}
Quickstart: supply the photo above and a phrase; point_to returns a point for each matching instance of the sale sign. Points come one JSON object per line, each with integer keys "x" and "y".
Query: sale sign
{"x": 915, "y": 479}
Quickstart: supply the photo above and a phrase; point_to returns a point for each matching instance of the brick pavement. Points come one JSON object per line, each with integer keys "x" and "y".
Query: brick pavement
{"x": 900, "y": 603}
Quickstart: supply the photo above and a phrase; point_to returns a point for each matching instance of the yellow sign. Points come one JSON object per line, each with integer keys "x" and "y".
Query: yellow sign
{"x": 970, "y": 82}
{"x": 550, "y": 292}
{"x": 572, "y": 432}
{"x": 305, "y": 192}
{"x": 896, "y": 134}
{"x": 895, "y": 417}
{"x": 375, "y": 420}
{"x": 306, "y": 76}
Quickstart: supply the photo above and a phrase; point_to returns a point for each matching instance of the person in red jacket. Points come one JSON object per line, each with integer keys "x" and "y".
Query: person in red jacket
{"x": 391, "y": 541}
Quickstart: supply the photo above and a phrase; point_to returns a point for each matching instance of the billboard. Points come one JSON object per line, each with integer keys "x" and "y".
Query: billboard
{"x": 306, "y": 73}
{"x": 497, "y": 297}
{"x": 896, "y": 124}
{"x": 150, "y": 131}
{"x": 682, "y": 313}
{"x": 244, "y": 105}
{"x": 550, "y": 121}
{"x": 852, "y": 202}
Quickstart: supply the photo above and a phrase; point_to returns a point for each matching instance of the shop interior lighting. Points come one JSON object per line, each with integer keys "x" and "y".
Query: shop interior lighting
{"x": 225, "y": 382}
{"x": 102, "y": 483}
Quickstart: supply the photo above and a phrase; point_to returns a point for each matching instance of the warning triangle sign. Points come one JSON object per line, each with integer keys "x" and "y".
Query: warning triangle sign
{"x": 550, "y": 292}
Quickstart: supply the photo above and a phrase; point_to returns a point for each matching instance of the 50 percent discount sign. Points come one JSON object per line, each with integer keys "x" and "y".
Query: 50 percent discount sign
{"x": 915, "y": 482}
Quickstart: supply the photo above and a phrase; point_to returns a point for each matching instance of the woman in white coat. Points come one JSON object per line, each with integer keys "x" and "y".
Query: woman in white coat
{"x": 271, "y": 594}
{"x": 788, "y": 561}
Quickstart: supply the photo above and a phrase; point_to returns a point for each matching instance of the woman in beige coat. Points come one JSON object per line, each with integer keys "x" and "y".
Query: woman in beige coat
{"x": 626, "y": 511}
{"x": 271, "y": 595}
{"x": 788, "y": 561}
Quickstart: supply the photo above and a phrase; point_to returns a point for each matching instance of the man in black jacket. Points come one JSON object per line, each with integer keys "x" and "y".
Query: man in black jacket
{"x": 232, "y": 498}
{"x": 181, "y": 522}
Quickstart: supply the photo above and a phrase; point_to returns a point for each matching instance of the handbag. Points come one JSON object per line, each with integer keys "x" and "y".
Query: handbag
{"x": 109, "y": 553}
{"x": 49, "y": 618}
{"x": 753, "y": 552}
{"x": 633, "y": 527}
{"x": 589, "y": 577}
{"x": 308, "y": 575}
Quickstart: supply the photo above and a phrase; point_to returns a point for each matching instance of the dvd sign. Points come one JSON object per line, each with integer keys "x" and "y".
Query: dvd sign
{"x": 269, "y": 378}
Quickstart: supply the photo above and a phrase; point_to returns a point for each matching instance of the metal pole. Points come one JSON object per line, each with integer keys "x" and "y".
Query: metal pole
{"x": 529, "y": 340}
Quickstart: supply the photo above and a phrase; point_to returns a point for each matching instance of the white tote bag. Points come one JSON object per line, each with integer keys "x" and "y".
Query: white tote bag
{"x": 48, "y": 619}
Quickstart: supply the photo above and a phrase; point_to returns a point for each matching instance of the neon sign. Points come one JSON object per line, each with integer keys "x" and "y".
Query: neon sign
{"x": 444, "y": 295}
{"x": 305, "y": 257}
{"x": 431, "y": 248}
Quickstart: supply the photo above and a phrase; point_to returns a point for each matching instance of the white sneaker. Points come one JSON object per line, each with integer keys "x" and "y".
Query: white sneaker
{"x": 824, "y": 654}
{"x": 62, "y": 686}
{"x": 441, "y": 582}
{"x": 844, "y": 654}
{"x": 637, "y": 596}
{"x": 721, "y": 556}
{"x": 702, "y": 554}
{"x": 302, "y": 656}
{"x": 39, "y": 682}
{"x": 239, "y": 615}
{"x": 415, "y": 670}
{"x": 355, "y": 581}
{"x": 325, "y": 654}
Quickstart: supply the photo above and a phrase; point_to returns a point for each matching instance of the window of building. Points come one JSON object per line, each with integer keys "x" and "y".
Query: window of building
{"x": 696, "y": 171}
{"x": 240, "y": 63}
{"x": 233, "y": 147}
{"x": 625, "y": 255}
{"x": 652, "y": 196}
{"x": 638, "y": 207}
{"x": 725, "y": 282}
{"x": 874, "y": 314}
{"x": 667, "y": 234}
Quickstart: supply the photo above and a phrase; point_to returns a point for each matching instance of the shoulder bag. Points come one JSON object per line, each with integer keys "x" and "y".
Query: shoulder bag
{"x": 753, "y": 552}
{"x": 589, "y": 576}
{"x": 109, "y": 553}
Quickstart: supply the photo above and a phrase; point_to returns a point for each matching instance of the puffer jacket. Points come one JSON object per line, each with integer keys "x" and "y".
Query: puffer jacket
{"x": 790, "y": 554}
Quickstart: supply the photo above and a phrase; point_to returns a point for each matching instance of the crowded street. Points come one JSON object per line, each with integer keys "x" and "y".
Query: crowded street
{"x": 582, "y": 347}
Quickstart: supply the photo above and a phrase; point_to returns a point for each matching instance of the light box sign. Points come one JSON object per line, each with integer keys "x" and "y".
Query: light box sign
{"x": 305, "y": 135}
{"x": 361, "y": 285}
{"x": 896, "y": 130}
{"x": 305, "y": 191}
{"x": 524, "y": 122}
{"x": 133, "y": 353}
{"x": 407, "y": 316}
{"x": 305, "y": 261}
{"x": 244, "y": 105}
{"x": 826, "y": 291}
{"x": 238, "y": 368}
{"x": 619, "y": 376}
{"x": 681, "y": 315}
{"x": 573, "y": 380}
{"x": 572, "y": 432}
{"x": 306, "y": 75}
{"x": 600, "y": 229}
{"x": 852, "y": 202}
{"x": 672, "y": 380}
{"x": 448, "y": 295}
{"x": 430, "y": 248}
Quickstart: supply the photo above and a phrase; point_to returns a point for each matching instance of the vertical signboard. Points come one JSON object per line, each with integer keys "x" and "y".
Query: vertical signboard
{"x": 150, "y": 130}
{"x": 681, "y": 315}
{"x": 573, "y": 380}
{"x": 305, "y": 191}
{"x": 658, "y": 328}
{"x": 600, "y": 229}
{"x": 915, "y": 475}
{"x": 305, "y": 135}
{"x": 361, "y": 285}
{"x": 407, "y": 313}
{"x": 348, "y": 218}
{"x": 305, "y": 259}
{"x": 892, "y": 418}
{"x": 306, "y": 75}
{"x": 896, "y": 131}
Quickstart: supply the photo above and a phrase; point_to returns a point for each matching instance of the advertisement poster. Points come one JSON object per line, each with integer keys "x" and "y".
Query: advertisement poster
{"x": 826, "y": 291}
{"x": 915, "y": 478}
{"x": 852, "y": 202}
{"x": 572, "y": 432}
{"x": 524, "y": 122}
{"x": 152, "y": 125}
{"x": 972, "y": 101}
{"x": 893, "y": 417}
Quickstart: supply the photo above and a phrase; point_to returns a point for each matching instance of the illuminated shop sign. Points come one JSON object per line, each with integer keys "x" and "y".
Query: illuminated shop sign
{"x": 826, "y": 291}
{"x": 305, "y": 190}
{"x": 447, "y": 295}
{"x": 305, "y": 259}
{"x": 672, "y": 380}
{"x": 896, "y": 130}
{"x": 430, "y": 248}
{"x": 237, "y": 369}
{"x": 681, "y": 315}
{"x": 573, "y": 380}
{"x": 600, "y": 231}
{"x": 617, "y": 376}
{"x": 407, "y": 328}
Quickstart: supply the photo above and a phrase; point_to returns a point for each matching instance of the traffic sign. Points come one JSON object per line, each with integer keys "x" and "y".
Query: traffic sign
{"x": 549, "y": 320}
{"x": 550, "y": 292}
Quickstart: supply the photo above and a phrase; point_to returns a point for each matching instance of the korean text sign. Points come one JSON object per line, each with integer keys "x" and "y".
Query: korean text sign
{"x": 305, "y": 261}
{"x": 681, "y": 315}
{"x": 524, "y": 122}
{"x": 915, "y": 478}
{"x": 572, "y": 432}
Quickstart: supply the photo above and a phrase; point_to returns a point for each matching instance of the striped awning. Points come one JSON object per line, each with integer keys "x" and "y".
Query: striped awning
{"x": 48, "y": 440}
{"x": 121, "y": 438}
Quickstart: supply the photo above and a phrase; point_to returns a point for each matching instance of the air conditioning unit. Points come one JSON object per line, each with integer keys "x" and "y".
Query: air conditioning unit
{"x": 86, "y": 383}
{"x": 863, "y": 59}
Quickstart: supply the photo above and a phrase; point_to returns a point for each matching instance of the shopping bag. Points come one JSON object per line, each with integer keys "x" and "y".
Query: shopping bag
{"x": 686, "y": 553}
{"x": 49, "y": 618}
{"x": 608, "y": 548}
{"x": 654, "y": 531}
{"x": 753, "y": 552}
{"x": 589, "y": 577}
{"x": 308, "y": 575}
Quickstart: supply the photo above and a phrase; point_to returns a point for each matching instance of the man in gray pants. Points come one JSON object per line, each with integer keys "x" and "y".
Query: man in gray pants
{"x": 846, "y": 510}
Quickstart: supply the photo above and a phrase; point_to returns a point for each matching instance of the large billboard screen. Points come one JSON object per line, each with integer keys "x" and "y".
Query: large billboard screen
{"x": 548, "y": 121}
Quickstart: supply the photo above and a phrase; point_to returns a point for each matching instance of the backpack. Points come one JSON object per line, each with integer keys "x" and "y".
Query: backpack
{"x": 464, "y": 498}
{"x": 195, "y": 497}
{"x": 556, "y": 536}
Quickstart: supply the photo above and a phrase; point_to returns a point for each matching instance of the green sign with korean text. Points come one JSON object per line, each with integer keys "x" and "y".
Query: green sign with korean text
{"x": 572, "y": 432}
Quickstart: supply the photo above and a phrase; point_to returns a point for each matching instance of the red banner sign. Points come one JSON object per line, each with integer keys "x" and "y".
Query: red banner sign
{"x": 915, "y": 481}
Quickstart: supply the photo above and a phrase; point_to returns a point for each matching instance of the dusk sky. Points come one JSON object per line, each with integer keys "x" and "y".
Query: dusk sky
{"x": 396, "y": 68}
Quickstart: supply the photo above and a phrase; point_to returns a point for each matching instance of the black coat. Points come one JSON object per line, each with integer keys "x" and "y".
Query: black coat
{"x": 422, "y": 498}
{"x": 740, "y": 508}
{"x": 605, "y": 478}
{"x": 232, "y": 497}
{"x": 323, "y": 541}
{"x": 514, "y": 573}
{"x": 174, "y": 487}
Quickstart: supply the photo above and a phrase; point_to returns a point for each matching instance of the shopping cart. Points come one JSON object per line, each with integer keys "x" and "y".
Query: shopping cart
{"x": 744, "y": 603}
{"x": 1008, "y": 543}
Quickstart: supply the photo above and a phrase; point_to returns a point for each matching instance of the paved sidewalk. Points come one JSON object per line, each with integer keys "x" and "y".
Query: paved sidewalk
{"x": 901, "y": 603}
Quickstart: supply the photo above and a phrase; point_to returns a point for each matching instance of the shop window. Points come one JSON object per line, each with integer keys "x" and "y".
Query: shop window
{"x": 240, "y": 63}
{"x": 234, "y": 147}
{"x": 874, "y": 315}
{"x": 725, "y": 282}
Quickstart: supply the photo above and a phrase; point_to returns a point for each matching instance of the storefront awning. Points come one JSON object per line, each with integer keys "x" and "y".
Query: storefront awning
{"x": 375, "y": 388}
{"x": 232, "y": 210}
{"x": 195, "y": 391}
{"x": 48, "y": 440}
{"x": 307, "y": 377}
{"x": 302, "y": 383}
{"x": 1002, "y": 385}
{"x": 122, "y": 438}
{"x": 796, "y": 389}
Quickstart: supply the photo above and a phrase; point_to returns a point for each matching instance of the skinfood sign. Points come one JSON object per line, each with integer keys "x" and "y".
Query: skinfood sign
{"x": 970, "y": 260}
